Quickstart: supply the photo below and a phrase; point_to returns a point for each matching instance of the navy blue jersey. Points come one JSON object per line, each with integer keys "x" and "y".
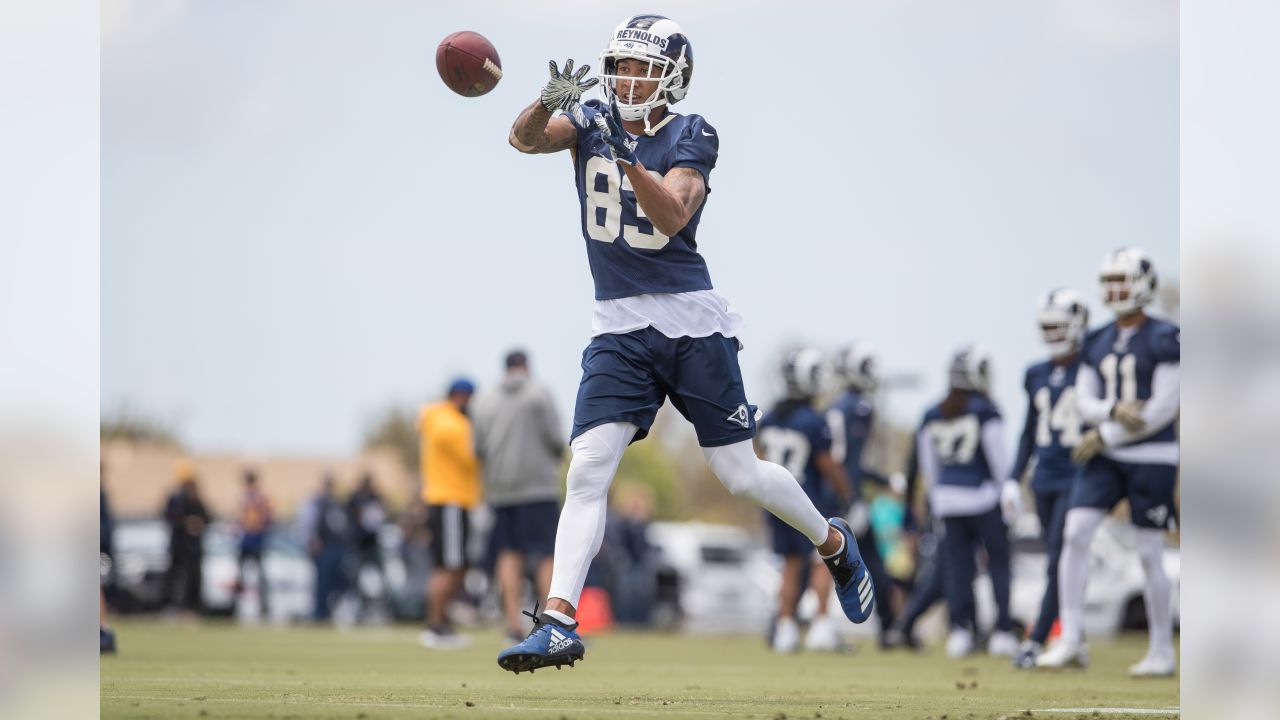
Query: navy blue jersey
{"x": 1053, "y": 425}
{"x": 628, "y": 255}
{"x": 791, "y": 435}
{"x": 850, "y": 418}
{"x": 958, "y": 441}
{"x": 1126, "y": 366}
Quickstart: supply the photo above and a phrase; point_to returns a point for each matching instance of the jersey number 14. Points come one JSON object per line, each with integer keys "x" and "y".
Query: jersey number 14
{"x": 1064, "y": 417}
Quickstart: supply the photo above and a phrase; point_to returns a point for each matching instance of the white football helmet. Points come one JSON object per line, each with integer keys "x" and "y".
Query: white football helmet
{"x": 1129, "y": 273}
{"x": 1064, "y": 319}
{"x": 971, "y": 369}
{"x": 858, "y": 366}
{"x": 803, "y": 372}
{"x": 661, "y": 43}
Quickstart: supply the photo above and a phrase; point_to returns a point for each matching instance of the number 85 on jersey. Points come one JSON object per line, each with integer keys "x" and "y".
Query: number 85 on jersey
{"x": 610, "y": 202}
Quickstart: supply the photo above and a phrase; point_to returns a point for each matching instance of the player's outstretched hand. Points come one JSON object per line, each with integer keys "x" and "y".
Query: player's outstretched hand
{"x": 564, "y": 89}
{"x": 614, "y": 142}
{"x": 1129, "y": 414}
{"x": 1090, "y": 445}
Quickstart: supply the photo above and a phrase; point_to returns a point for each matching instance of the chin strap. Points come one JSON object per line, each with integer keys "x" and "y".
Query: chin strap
{"x": 651, "y": 131}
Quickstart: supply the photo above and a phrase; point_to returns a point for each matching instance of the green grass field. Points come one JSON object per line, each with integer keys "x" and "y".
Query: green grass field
{"x": 167, "y": 670}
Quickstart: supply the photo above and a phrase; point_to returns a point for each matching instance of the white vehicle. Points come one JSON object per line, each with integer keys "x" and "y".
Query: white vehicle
{"x": 1114, "y": 600}
{"x": 290, "y": 576}
{"x": 725, "y": 583}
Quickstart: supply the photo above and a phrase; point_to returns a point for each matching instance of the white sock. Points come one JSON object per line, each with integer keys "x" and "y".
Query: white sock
{"x": 561, "y": 617}
{"x": 596, "y": 453}
{"x": 1073, "y": 569}
{"x": 1158, "y": 591}
{"x": 768, "y": 485}
{"x": 838, "y": 552}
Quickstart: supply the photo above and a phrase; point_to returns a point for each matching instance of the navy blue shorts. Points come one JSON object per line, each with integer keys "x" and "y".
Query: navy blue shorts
{"x": 788, "y": 540}
{"x": 1104, "y": 482}
{"x": 625, "y": 378}
{"x": 527, "y": 528}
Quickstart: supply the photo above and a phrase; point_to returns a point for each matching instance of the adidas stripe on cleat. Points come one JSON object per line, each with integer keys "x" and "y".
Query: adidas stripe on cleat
{"x": 853, "y": 582}
{"x": 550, "y": 644}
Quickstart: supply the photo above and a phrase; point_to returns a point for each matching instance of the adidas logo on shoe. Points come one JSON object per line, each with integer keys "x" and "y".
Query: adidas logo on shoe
{"x": 559, "y": 641}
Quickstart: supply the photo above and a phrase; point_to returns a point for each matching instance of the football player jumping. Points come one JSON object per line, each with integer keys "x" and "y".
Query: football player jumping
{"x": 1051, "y": 431}
{"x": 659, "y": 329}
{"x": 1127, "y": 389}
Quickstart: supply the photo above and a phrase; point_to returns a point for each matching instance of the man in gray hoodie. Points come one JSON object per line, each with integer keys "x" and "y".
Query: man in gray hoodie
{"x": 520, "y": 442}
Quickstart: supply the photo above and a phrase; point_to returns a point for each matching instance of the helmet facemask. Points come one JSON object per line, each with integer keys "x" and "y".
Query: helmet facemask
{"x": 1063, "y": 319}
{"x": 667, "y": 73}
{"x": 1127, "y": 281}
{"x": 660, "y": 46}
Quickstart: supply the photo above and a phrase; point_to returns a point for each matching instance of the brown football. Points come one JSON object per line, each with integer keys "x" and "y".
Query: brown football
{"x": 468, "y": 63}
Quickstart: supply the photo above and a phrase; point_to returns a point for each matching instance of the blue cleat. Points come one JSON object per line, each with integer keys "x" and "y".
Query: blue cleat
{"x": 549, "y": 644}
{"x": 853, "y": 582}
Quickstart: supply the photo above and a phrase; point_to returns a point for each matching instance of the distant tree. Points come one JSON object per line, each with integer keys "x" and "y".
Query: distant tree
{"x": 396, "y": 429}
{"x": 129, "y": 425}
{"x": 647, "y": 463}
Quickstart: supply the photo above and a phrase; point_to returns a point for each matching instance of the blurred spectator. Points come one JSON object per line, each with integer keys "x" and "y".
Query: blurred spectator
{"x": 324, "y": 525}
{"x": 253, "y": 524}
{"x": 187, "y": 518}
{"x": 106, "y": 529}
{"x": 415, "y": 553}
{"x": 450, "y": 488}
{"x": 635, "y": 560}
{"x": 521, "y": 443}
{"x": 366, "y": 514}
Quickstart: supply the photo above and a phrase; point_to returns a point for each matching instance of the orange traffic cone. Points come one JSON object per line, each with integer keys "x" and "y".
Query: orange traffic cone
{"x": 595, "y": 612}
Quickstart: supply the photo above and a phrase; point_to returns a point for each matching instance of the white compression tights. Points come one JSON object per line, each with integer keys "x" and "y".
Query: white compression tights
{"x": 1073, "y": 578}
{"x": 596, "y": 454}
{"x": 1073, "y": 569}
{"x": 768, "y": 485}
{"x": 1158, "y": 593}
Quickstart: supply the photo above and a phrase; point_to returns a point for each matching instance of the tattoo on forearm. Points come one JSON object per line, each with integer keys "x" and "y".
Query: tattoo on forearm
{"x": 531, "y": 129}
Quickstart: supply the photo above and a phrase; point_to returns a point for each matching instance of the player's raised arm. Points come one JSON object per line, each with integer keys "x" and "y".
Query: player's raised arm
{"x": 535, "y": 130}
{"x": 670, "y": 203}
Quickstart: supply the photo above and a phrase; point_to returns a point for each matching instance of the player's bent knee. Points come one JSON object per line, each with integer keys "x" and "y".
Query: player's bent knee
{"x": 594, "y": 459}
{"x": 737, "y": 470}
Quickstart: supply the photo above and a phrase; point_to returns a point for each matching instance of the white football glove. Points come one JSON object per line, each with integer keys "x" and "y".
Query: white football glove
{"x": 563, "y": 90}
{"x": 1090, "y": 444}
{"x": 1010, "y": 501}
{"x": 1129, "y": 414}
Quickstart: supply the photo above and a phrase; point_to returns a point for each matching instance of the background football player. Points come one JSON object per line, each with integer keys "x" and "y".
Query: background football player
{"x": 1127, "y": 389}
{"x": 1051, "y": 430}
{"x": 796, "y": 437}
{"x": 659, "y": 329}
{"x": 961, "y": 452}
{"x": 852, "y": 417}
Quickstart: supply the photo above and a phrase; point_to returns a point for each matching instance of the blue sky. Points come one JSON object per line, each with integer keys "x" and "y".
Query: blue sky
{"x": 301, "y": 225}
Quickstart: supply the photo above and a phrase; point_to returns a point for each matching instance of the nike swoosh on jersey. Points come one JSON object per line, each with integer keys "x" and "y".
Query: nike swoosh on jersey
{"x": 704, "y": 132}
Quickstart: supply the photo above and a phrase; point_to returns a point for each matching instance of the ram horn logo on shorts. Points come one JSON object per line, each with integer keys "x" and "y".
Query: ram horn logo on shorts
{"x": 741, "y": 416}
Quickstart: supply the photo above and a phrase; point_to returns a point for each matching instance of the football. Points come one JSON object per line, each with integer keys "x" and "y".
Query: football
{"x": 468, "y": 63}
